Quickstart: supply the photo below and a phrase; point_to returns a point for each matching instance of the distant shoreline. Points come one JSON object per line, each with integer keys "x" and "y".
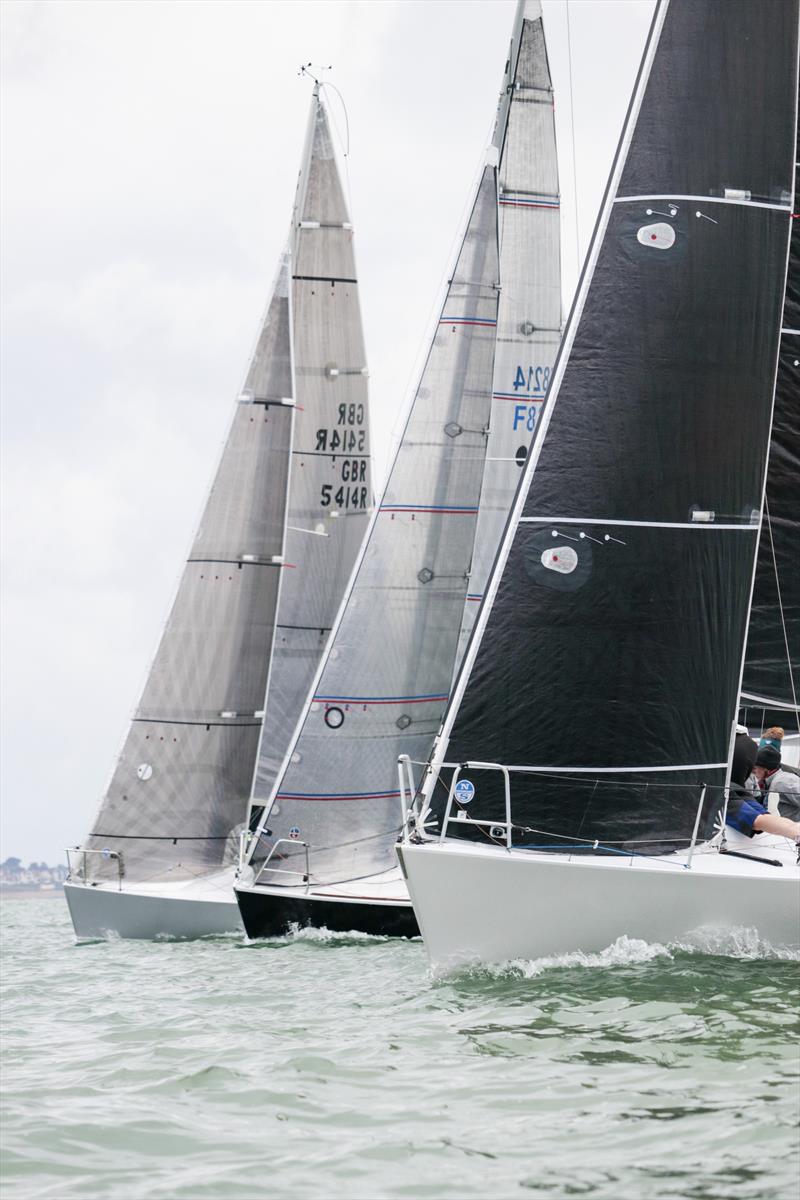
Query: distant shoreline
{"x": 23, "y": 893}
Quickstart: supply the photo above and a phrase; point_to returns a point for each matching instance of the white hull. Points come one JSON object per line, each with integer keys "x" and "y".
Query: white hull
{"x": 192, "y": 909}
{"x": 489, "y": 905}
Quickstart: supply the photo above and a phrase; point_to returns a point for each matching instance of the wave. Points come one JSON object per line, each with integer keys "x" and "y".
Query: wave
{"x": 724, "y": 942}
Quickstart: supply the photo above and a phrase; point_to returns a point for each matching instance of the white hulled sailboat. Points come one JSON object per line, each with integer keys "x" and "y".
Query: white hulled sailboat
{"x": 583, "y": 763}
{"x": 278, "y": 536}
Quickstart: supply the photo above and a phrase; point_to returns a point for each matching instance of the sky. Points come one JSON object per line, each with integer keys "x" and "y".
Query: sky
{"x": 149, "y": 157}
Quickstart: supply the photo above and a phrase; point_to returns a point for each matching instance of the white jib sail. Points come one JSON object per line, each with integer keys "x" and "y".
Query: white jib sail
{"x": 529, "y": 314}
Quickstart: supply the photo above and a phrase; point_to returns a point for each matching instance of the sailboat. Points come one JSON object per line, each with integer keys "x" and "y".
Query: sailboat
{"x": 584, "y": 756}
{"x": 284, "y": 518}
{"x": 323, "y": 852}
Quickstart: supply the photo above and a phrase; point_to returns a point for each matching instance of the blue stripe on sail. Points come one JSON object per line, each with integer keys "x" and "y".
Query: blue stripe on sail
{"x": 485, "y": 322}
{"x": 429, "y": 508}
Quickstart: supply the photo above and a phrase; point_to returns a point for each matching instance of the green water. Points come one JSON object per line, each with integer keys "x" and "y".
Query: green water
{"x": 336, "y": 1067}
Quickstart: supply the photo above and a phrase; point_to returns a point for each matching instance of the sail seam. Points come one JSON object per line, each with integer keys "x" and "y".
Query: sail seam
{"x": 323, "y": 279}
{"x": 708, "y": 200}
{"x": 635, "y": 524}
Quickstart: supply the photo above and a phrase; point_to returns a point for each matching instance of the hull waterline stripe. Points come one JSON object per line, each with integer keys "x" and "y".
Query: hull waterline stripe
{"x": 709, "y": 200}
{"x": 635, "y": 524}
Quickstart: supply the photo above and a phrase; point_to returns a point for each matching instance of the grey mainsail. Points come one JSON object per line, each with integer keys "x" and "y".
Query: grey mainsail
{"x": 529, "y": 313}
{"x": 183, "y": 779}
{"x": 330, "y": 496}
{"x": 386, "y": 676}
{"x": 275, "y": 548}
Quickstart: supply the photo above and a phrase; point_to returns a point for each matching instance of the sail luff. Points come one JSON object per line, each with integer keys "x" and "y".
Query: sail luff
{"x": 288, "y": 259}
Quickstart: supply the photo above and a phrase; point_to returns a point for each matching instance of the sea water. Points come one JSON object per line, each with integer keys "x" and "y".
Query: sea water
{"x": 334, "y": 1066}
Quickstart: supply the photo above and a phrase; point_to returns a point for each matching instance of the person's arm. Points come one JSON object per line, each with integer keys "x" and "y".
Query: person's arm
{"x": 771, "y": 823}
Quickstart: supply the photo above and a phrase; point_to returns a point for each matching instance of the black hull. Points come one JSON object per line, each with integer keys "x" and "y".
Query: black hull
{"x": 265, "y": 914}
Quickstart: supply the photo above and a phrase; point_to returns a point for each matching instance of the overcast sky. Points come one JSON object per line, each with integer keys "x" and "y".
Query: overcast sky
{"x": 150, "y": 152}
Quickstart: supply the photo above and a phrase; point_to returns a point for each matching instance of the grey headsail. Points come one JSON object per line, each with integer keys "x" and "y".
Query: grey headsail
{"x": 771, "y": 681}
{"x": 529, "y": 312}
{"x": 330, "y": 496}
{"x": 268, "y": 567}
{"x": 183, "y": 779}
{"x": 387, "y": 673}
{"x": 610, "y": 643}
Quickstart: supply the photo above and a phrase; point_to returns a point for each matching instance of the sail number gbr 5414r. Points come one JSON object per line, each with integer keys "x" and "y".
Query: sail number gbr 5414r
{"x": 349, "y": 437}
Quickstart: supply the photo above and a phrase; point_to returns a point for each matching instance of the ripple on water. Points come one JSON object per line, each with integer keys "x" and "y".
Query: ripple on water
{"x": 328, "y": 1065}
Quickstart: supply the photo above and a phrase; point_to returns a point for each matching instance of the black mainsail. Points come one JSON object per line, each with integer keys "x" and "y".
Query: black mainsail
{"x": 607, "y": 656}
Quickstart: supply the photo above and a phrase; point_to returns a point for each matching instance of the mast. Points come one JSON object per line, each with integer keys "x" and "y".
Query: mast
{"x": 609, "y": 644}
{"x": 330, "y": 487}
{"x": 771, "y": 680}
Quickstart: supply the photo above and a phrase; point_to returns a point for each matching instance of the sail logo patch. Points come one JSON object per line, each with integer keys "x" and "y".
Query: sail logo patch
{"x": 659, "y": 236}
{"x": 465, "y": 791}
{"x": 560, "y": 558}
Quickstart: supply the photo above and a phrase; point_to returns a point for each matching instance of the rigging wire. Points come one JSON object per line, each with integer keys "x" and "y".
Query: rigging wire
{"x": 780, "y": 610}
{"x": 574, "y": 158}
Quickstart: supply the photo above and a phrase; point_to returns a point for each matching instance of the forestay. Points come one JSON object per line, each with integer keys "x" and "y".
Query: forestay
{"x": 612, "y": 637}
{"x": 330, "y": 495}
{"x": 771, "y": 682}
{"x": 183, "y": 779}
{"x": 529, "y": 312}
{"x": 386, "y": 677}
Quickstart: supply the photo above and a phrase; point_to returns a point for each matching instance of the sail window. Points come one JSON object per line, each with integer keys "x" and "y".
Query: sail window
{"x": 453, "y": 429}
{"x": 403, "y": 721}
{"x": 334, "y": 718}
{"x": 425, "y": 575}
{"x": 560, "y": 558}
{"x": 521, "y": 455}
{"x": 659, "y": 236}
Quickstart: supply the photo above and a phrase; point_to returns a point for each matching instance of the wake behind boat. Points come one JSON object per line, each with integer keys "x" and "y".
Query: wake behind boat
{"x": 280, "y": 531}
{"x": 580, "y": 789}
